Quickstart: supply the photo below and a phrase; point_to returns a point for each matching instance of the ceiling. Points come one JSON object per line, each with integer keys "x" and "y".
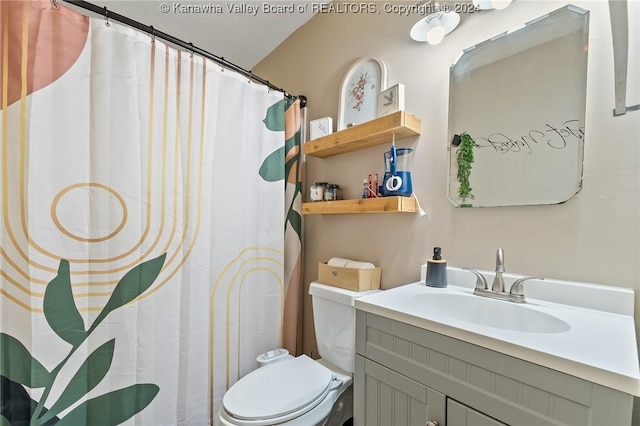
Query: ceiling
{"x": 241, "y": 36}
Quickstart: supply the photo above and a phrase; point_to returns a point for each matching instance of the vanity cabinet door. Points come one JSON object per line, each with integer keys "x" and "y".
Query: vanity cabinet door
{"x": 461, "y": 415}
{"x": 386, "y": 398}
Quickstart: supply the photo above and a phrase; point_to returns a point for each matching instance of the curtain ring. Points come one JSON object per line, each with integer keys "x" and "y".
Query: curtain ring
{"x": 191, "y": 49}
{"x": 153, "y": 35}
{"x": 106, "y": 17}
{"x": 54, "y": 5}
{"x": 250, "y": 76}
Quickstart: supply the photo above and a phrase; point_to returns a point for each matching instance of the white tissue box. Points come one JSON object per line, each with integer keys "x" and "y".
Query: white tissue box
{"x": 349, "y": 278}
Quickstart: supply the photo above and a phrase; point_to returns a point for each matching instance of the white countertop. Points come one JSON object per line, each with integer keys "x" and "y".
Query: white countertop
{"x": 600, "y": 345}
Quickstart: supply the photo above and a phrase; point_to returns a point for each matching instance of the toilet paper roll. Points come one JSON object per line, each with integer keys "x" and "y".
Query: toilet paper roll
{"x": 359, "y": 265}
{"x": 338, "y": 261}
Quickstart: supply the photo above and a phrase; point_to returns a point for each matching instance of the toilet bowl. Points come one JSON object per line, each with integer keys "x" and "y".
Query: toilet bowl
{"x": 301, "y": 391}
{"x": 298, "y": 391}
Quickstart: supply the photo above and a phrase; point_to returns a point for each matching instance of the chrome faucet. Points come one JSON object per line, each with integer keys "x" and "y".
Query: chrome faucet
{"x": 516, "y": 293}
{"x": 498, "y": 282}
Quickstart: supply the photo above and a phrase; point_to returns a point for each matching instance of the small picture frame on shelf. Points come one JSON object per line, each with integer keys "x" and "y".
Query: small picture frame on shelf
{"x": 391, "y": 100}
{"x": 359, "y": 92}
{"x": 320, "y": 127}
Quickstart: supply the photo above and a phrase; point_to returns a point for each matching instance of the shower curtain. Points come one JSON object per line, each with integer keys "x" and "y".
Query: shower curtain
{"x": 142, "y": 238}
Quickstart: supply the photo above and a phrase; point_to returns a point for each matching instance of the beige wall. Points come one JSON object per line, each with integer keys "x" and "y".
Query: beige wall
{"x": 594, "y": 237}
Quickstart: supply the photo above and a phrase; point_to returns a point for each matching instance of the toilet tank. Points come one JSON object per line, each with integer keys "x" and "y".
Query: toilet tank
{"x": 334, "y": 317}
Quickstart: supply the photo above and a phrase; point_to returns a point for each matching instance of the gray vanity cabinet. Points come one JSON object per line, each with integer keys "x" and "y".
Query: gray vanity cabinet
{"x": 393, "y": 399}
{"x": 405, "y": 375}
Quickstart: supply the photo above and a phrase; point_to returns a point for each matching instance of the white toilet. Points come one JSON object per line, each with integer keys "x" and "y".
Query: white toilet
{"x": 302, "y": 391}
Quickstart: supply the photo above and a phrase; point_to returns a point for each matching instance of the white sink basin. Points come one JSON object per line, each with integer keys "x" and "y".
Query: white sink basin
{"x": 582, "y": 329}
{"x": 489, "y": 312}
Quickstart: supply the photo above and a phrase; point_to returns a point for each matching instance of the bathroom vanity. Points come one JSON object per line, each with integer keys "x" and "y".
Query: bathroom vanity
{"x": 420, "y": 358}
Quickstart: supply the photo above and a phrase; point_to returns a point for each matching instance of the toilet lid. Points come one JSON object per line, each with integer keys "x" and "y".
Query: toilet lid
{"x": 278, "y": 389}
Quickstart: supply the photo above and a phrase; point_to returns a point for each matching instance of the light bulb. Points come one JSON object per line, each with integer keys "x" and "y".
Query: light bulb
{"x": 436, "y": 32}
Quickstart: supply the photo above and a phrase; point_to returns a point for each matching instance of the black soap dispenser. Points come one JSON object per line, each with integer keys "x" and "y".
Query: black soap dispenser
{"x": 437, "y": 269}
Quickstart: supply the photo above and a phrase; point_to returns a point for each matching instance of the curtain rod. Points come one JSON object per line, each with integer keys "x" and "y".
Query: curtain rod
{"x": 176, "y": 41}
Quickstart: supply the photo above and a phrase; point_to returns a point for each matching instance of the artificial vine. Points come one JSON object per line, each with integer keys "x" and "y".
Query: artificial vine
{"x": 464, "y": 157}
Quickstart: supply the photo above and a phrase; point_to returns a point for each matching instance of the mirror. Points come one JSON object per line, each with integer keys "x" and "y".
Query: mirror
{"x": 521, "y": 97}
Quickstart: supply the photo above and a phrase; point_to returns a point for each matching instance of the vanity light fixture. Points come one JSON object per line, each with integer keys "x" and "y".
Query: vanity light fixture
{"x": 434, "y": 27}
{"x": 491, "y": 4}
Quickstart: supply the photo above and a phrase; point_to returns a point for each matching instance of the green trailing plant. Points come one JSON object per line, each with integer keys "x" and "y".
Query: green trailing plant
{"x": 464, "y": 157}
{"x": 19, "y": 368}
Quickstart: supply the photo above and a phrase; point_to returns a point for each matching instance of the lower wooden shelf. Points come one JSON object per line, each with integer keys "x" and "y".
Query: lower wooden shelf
{"x": 363, "y": 205}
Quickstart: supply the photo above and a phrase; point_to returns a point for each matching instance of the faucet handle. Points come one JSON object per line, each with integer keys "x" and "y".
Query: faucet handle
{"x": 517, "y": 288}
{"x": 481, "y": 281}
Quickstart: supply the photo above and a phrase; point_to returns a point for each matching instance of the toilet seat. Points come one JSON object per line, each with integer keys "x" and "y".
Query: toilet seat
{"x": 278, "y": 392}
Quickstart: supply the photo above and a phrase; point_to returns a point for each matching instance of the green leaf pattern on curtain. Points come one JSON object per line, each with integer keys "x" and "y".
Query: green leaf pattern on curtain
{"x": 272, "y": 169}
{"x": 133, "y": 284}
{"x": 90, "y": 373}
{"x": 60, "y": 309}
{"x": 274, "y": 119}
{"x": 17, "y": 364}
{"x": 16, "y": 406}
{"x": 18, "y": 367}
{"x": 111, "y": 408}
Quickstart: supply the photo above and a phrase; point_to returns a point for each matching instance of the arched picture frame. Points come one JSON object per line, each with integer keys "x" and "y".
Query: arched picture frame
{"x": 359, "y": 91}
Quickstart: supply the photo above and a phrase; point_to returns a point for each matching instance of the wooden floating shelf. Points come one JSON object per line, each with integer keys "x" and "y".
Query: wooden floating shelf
{"x": 363, "y": 205}
{"x": 374, "y": 132}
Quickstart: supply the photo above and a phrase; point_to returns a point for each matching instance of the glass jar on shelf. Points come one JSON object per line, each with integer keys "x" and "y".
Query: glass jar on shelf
{"x": 329, "y": 192}
{"x": 316, "y": 192}
{"x": 332, "y": 192}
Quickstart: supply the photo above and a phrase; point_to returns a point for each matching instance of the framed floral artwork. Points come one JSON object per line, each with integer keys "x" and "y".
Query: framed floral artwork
{"x": 359, "y": 92}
